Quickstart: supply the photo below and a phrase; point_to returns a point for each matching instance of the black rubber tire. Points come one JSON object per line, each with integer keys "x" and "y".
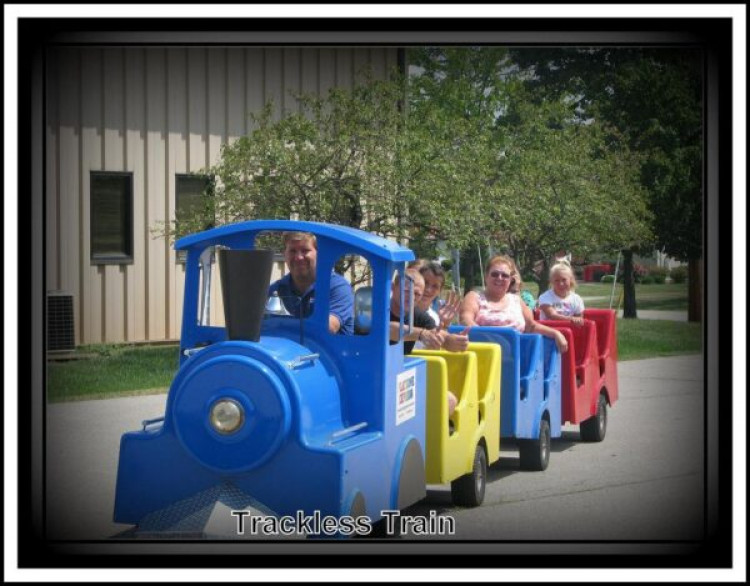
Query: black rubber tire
{"x": 535, "y": 453}
{"x": 594, "y": 428}
{"x": 468, "y": 490}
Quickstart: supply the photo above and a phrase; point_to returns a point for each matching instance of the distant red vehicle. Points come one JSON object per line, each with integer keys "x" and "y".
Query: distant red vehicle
{"x": 589, "y": 371}
{"x": 589, "y": 271}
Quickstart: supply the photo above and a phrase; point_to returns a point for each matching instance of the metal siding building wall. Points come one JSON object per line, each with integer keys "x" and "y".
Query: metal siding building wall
{"x": 156, "y": 112}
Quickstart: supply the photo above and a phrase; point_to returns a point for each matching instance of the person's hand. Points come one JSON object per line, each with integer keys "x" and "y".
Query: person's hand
{"x": 457, "y": 342}
{"x": 433, "y": 339}
{"x": 577, "y": 320}
{"x": 561, "y": 342}
{"x": 449, "y": 310}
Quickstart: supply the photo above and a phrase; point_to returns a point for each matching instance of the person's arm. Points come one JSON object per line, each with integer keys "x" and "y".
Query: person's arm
{"x": 334, "y": 324}
{"x": 341, "y": 307}
{"x": 551, "y": 313}
{"x": 431, "y": 338}
{"x": 469, "y": 309}
{"x": 534, "y": 327}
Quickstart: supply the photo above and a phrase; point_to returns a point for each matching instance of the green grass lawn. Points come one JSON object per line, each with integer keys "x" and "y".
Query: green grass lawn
{"x": 112, "y": 371}
{"x": 116, "y": 371}
{"x": 668, "y": 297}
{"x": 647, "y": 338}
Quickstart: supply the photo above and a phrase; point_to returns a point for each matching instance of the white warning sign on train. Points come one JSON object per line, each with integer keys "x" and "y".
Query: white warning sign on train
{"x": 406, "y": 395}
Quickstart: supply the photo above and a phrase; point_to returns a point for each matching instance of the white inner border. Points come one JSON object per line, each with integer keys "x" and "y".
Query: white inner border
{"x": 11, "y": 15}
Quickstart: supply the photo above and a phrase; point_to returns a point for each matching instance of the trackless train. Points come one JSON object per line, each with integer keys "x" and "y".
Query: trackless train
{"x": 295, "y": 420}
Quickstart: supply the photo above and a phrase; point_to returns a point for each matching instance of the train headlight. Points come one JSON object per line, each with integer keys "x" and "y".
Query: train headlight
{"x": 227, "y": 416}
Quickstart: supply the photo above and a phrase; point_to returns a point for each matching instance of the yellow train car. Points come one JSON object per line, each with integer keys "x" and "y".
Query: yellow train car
{"x": 459, "y": 449}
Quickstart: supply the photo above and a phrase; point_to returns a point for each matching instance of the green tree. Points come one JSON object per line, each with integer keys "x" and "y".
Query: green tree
{"x": 464, "y": 82}
{"x": 653, "y": 97}
{"x": 354, "y": 158}
{"x": 466, "y": 88}
{"x": 553, "y": 180}
{"x": 565, "y": 185}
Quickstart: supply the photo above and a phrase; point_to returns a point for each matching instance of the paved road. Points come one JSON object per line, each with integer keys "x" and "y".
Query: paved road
{"x": 659, "y": 314}
{"x": 645, "y": 481}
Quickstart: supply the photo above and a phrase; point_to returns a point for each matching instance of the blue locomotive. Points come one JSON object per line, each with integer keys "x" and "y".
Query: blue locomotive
{"x": 295, "y": 418}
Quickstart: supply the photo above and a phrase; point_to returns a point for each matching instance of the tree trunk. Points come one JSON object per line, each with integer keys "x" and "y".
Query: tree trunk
{"x": 628, "y": 283}
{"x": 544, "y": 276}
{"x": 695, "y": 290}
{"x": 469, "y": 266}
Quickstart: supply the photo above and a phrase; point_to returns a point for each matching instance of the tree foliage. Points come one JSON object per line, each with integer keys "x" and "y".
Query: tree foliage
{"x": 556, "y": 180}
{"x": 653, "y": 98}
{"x": 353, "y": 158}
{"x": 530, "y": 151}
{"x": 565, "y": 185}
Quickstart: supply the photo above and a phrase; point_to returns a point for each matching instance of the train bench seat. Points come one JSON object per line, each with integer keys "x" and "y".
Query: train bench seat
{"x": 456, "y": 372}
{"x": 606, "y": 335}
{"x": 580, "y": 369}
{"x": 474, "y": 377}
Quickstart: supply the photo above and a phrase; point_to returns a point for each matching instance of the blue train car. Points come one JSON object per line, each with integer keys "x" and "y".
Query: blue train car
{"x": 297, "y": 420}
{"x": 530, "y": 406}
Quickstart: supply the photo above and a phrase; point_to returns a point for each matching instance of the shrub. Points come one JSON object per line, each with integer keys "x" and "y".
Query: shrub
{"x": 658, "y": 274}
{"x": 647, "y": 280}
{"x": 678, "y": 274}
{"x": 607, "y": 279}
{"x": 639, "y": 271}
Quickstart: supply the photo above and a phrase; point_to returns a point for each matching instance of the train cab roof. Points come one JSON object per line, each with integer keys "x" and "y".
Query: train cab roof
{"x": 242, "y": 234}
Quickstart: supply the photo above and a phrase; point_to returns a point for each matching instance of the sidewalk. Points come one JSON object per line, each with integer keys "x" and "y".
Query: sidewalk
{"x": 657, "y": 314}
{"x": 648, "y": 313}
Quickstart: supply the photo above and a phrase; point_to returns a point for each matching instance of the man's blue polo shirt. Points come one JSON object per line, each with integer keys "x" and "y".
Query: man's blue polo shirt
{"x": 341, "y": 300}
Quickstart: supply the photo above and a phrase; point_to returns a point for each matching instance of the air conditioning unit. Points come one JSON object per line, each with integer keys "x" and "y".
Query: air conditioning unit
{"x": 60, "y": 323}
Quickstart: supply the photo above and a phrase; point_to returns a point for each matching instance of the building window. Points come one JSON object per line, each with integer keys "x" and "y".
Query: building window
{"x": 111, "y": 218}
{"x": 193, "y": 212}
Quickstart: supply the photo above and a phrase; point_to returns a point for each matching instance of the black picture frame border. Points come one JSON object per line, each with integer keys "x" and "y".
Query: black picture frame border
{"x": 715, "y": 552}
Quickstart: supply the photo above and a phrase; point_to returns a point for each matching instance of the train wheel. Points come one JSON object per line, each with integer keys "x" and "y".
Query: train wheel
{"x": 595, "y": 428}
{"x": 468, "y": 490}
{"x": 535, "y": 453}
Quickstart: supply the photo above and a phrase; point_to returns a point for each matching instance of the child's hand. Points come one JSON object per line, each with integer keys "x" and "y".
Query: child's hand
{"x": 448, "y": 311}
{"x": 562, "y": 343}
{"x": 577, "y": 320}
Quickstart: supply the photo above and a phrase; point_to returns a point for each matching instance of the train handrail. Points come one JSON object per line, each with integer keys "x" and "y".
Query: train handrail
{"x": 341, "y": 433}
{"x": 146, "y": 422}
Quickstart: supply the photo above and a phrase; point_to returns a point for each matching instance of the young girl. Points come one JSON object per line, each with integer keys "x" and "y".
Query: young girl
{"x": 560, "y": 302}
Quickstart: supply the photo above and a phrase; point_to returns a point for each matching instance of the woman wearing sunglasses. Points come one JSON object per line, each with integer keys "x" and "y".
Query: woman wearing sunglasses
{"x": 497, "y": 306}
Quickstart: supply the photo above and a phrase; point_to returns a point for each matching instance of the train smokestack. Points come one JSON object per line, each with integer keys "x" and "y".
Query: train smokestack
{"x": 245, "y": 276}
